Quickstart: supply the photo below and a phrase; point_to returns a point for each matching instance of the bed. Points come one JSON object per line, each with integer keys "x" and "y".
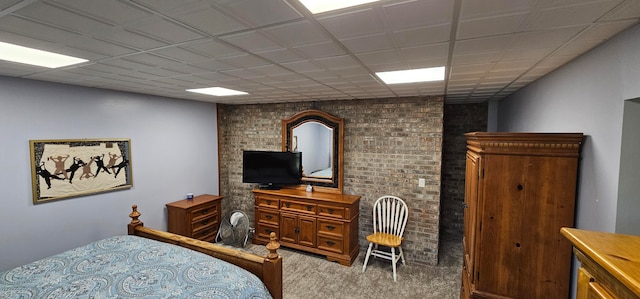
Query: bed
{"x": 148, "y": 263}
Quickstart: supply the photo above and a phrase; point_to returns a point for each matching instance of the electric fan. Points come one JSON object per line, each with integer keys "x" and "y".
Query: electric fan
{"x": 234, "y": 230}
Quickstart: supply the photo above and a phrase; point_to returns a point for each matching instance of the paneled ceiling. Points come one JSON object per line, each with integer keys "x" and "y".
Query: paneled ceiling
{"x": 277, "y": 51}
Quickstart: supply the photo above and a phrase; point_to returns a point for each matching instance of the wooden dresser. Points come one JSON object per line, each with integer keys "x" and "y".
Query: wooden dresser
{"x": 198, "y": 218}
{"x": 520, "y": 189}
{"x": 316, "y": 222}
{"x": 609, "y": 264}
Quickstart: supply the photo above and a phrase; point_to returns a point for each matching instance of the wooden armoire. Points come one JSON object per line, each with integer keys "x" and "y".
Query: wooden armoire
{"x": 520, "y": 189}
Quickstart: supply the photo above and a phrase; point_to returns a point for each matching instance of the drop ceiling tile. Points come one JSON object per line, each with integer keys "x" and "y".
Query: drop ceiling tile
{"x": 484, "y": 27}
{"x": 472, "y": 69}
{"x": 426, "y": 51}
{"x": 321, "y": 50}
{"x": 36, "y": 30}
{"x": 62, "y": 18}
{"x": 367, "y": 43}
{"x": 473, "y": 9}
{"x": 259, "y": 13}
{"x": 422, "y": 36}
{"x": 296, "y": 34}
{"x": 113, "y": 12}
{"x": 270, "y": 70}
{"x": 418, "y": 13}
{"x": 581, "y": 14}
{"x": 244, "y": 61}
{"x": 528, "y": 53}
{"x": 476, "y": 57}
{"x": 129, "y": 39}
{"x": 486, "y": 44}
{"x": 280, "y": 55}
{"x": 252, "y": 41}
{"x": 380, "y": 57}
{"x": 205, "y": 18}
{"x": 101, "y": 47}
{"x": 181, "y": 54}
{"x": 212, "y": 78}
{"x": 629, "y": 9}
{"x": 304, "y": 66}
{"x": 162, "y": 29}
{"x": 336, "y": 62}
{"x": 213, "y": 65}
{"x": 544, "y": 39}
{"x": 213, "y": 49}
{"x": 353, "y": 24}
{"x": 242, "y": 73}
{"x": 521, "y": 64}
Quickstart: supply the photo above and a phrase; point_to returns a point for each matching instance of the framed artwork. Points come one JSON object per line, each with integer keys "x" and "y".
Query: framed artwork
{"x": 75, "y": 167}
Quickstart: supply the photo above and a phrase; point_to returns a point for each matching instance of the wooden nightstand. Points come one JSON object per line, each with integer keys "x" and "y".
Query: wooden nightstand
{"x": 197, "y": 218}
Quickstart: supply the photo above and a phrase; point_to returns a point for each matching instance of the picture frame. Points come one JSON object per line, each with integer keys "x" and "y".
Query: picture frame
{"x": 65, "y": 168}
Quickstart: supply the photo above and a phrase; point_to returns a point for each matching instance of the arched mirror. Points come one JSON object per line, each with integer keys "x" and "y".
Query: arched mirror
{"x": 318, "y": 136}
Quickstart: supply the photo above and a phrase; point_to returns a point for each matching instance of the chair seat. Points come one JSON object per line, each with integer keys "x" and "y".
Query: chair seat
{"x": 384, "y": 239}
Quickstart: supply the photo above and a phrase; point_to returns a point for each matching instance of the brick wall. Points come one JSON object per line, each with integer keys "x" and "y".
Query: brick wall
{"x": 458, "y": 119}
{"x": 388, "y": 145}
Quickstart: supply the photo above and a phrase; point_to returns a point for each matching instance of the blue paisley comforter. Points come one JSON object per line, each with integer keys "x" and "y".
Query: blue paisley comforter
{"x": 130, "y": 266}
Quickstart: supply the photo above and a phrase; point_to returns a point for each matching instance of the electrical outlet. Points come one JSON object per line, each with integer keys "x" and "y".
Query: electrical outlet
{"x": 421, "y": 182}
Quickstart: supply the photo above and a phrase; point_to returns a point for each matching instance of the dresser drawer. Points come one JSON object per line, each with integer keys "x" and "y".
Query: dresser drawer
{"x": 206, "y": 233}
{"x": 299, "y": 207}
{"x": 268, "y": 202}
{"x": 264, "y": 230}
{"x": 330, "y": 211}
{"x": 331, "y": 228}
{"x": 267, "y": 216}
{"x": 207, "y": 220}
{"x": 330, "y": 244}
{"x": 203, "y": 211}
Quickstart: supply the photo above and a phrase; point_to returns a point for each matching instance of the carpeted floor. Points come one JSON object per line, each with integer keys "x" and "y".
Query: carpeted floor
{"x": 308, "y": 276}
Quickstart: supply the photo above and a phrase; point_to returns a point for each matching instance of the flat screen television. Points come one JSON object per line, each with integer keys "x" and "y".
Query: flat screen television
{"x": 270, "y": 169}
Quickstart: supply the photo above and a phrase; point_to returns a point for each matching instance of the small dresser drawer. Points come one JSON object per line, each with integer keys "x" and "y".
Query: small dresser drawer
{"x": 267, "y": 202}
{"x": 264, "y": 230}
{"x": 267, "y": 216}
{"x": 329, "y": 227}
{"x": 330, "y": 211}
{"x": 206, "y": 233}
{"x": 330, "y": 244}
{"x": 300, "y": 207}
{"x": 203, "y": 211}
{"x": 209, "y": 220}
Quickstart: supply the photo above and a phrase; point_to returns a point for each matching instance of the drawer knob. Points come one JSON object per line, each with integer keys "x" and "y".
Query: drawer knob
{"x": 520, "y": 187}
{"x": 330, "y": 211}
{"x": 268, "y": 217}
{"x": 287, "y": 204}
{"x": 309, "y": 207}
{"x": 331, "y": 227}
{"x": 205, "y": 222}
{"x": 204, "y": 212}
{"x": 330, "y": 243}
{"x": 268, "y": 202}
{"x": 268, "y": 231}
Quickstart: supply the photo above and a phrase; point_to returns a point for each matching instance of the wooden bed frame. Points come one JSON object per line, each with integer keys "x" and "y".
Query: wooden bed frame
{"x": 267, "y": 268}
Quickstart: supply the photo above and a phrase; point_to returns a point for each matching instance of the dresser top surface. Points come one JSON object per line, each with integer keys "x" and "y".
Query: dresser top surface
{"x": 187, "y": 203}
{"x": 321, "y": 196}
{"x": 619, "y": 254}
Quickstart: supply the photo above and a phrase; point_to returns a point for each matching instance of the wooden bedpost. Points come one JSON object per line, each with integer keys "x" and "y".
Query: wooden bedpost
{"x": 273, "y": 268}
{"x": 131, "y": 227}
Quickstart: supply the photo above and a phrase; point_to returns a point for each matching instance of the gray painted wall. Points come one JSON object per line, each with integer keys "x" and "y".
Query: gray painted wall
{"x": 586, "y": 95}
{"x": 174, "y": 150}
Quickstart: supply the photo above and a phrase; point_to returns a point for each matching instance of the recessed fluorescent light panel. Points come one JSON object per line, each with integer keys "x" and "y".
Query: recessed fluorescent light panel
{"x": 318, "y": 6}
{"x": 20, "y": 54}
{"x": 412, "y": 76}
{"x": 217, "y": 91}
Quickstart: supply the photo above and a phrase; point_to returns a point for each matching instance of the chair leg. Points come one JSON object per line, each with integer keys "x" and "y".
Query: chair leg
{"x": 401, "y": 255}
{"x": 393, "y": 262}
{"x": 366, "y": 259}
